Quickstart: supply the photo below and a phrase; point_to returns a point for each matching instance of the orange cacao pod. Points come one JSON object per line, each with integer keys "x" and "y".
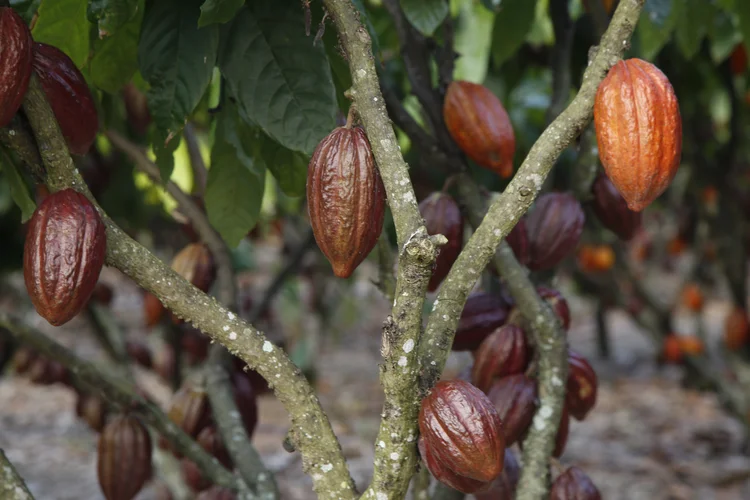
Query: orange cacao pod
{"x": 574, "y": 484}
{"x": 671, "y": 349}
{"x": 514, "y": 398}
{"x": 462, "y": 430}
{"x": 63, "y": 255}
{"x": 612, "y": 210}
{"x": 482, "y": 314}
{"x": 504, "y": 486}
{"x": 736, "y": 330}
{"x": 478, "y": 122}
{"x": 447, "y": 476}
{"x": 504, "y": 352}
{"x": 345, "y": 199}
{"x": 442, "y": 216}
{"x": 692, "y": 298}
{"x": 124, "y": 458}
{"x": 15, "y": 63}
{"x": 196, "y": 264}
{"x": 639, "y": 131}
{"x": 582, "y": 385}
{"x": 153, "y": 309}
{"x": 554, "y": 228}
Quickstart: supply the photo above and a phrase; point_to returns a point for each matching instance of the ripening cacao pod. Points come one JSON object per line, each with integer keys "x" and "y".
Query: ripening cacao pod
{"x": 216, "y": 493}
{"x": 15, "y": 63}
{"x": 581, "y": 386}
{"x": 462, "y": 430}
{"x": 483, "y": 313}
{"x": 124, "y": 458}
{"x": 92, "y": 410}
{"x": 190, "y": 410}
{"x": 518, "y": 239}
{"x": 504, "y": 352}
{"x": 246, "y": 401}
{"x": 736, "y": 329}
{"x": 45, "y": 371}
{"x": 738, "y": 60}
{"x": 194, "y": 344}
{"x": 595, "y": 258}
{"x": 102, "y": 294}
{"x": 210, "y": 440}
{"x": 504, "y": 486}
{"x": 68, "y": 95}
{"x": 554, "y": 227}
{"x": 558, "y": 304}
{"x": 638, "y": 130}
{"x": 442, "y": 216}
{"x": 691, "y": 345}
{"x": 573, "y": 484}
{"x": 612, "y": 210}
{"x": 63, "y": 255}
{"x": 692, "y": 297}
{"x": 478, "y": 122}
{"x": 671, "y": 349}
{"x": 447, "y": 476}
{"x": 153, "y": 309}
{"x": 514, "y": 398}
{"x": 196, "y": 264}
{"x": 345, "y": 198}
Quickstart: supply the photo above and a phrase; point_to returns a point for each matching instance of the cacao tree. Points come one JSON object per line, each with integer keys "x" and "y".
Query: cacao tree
{"x": 468, "y": 154}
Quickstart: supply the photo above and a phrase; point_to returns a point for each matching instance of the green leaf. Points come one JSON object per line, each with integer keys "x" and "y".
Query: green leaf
{"x": 691, "y": 26}
{"x": 19, "y": 191}
{"x": 278, "y": 77}
{"x": 493, "y": 5}
{"x": 724, "y": 37}
{"x": 219, "y": 11}
{"x": 234, "y": 190}
{"x": 110, "y": 15}
{"x": 176, "y": 58}
{"x": 287, "y": 166}
{"x": 425, "y": 15}
{"x": 657, "y": 11}
{"x": 63, "y": 23}
{"x": 115, "y": 58}
{"x": 25, "y": 8}
{"x": 742, "y": 9}
{"x": 652, "y": 37}
{"x": 473, "y": 42}
{"x": 512, "y": 23}
{"x": 164, "y": 147}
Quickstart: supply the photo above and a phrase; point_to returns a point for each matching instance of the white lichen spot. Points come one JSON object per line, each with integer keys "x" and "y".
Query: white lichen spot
{"x": 226, "y": 328}
{"x": 326, "y": 467}
{"x": 267, "y": 346}
{"x": 402, "y": 361}
{"x": 408, "y": 197}
{"x": 381, "y": 496}
{"x": 538, "y": 180}
{"x": 361, "y": 73}
{"x": 556, "y": 381}
{"x": 381, "y": 444}
{"x": 394, "y": 456}
{"x": 230, "y": 316}
{"x": 497, "y": 233}
{"x": 232, "y": 336}
{"x": 385, "y": 144}
{"x": 433, "y": 363}
{"x": 408, "y": 346}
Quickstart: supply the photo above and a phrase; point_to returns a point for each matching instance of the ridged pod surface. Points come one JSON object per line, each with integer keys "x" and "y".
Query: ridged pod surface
{"x": 446, "y": 476}
{"x": 196, "y": 264}
{"x": 442, "y": 216}
{"x": 15, "y": 63}
{"x": 514, "y": 398}
{"x": 482, "y": 314}
{"x": 345, "y": 199}
{"x": 504, "y": 487}
{"x": 582, "y": 386}
{"x": 504, "y": 352}
{"x": 638, "y": 130}
{"x": 554, "y": 228}
{"x": 63, "y": 255}
{"x": 612, "y": 210}
{"x": 478, "y": 122}
{"x": 574, "y": 484}
{"x": 123, "y": 458}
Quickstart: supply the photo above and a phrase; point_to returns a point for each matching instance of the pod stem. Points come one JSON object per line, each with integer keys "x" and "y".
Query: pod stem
{"x": 350, "y": 117}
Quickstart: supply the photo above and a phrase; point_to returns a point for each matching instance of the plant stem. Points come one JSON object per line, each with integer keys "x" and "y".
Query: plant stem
{"x": 12, "y": 486}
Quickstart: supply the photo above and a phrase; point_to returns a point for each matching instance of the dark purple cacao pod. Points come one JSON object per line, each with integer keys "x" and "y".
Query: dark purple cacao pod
{"x": 483, "y": 313}
{"x": 15, "y": 63}
{"x": 574, "y": 484}
{"x": 345, "y": 199}
{"x": 246, "y": 401}
{"x": 462, "y": 430}
{"x": 514, "y": 398}
{"x": 518, "y": 239}
{"x": 504, "y": 352}
{"x": 612, "y": 210}
{"x": 63, "y": 255}
{"x": 124, "y": 458}
{"x": 68, "y": 95}
{"x": 581, "y": 387}
{"x": 102, "y": 294}
{"x": 92, "y": 410}
{"x": 190, "y": 410}
{"x": 554, "y": 228}
{"x": 140, "y": 353}
{"x": 446, "y": 476}
{"x": 504, "y": 486}
{"x": 442, "y": 216}
{"x": 210, "y": 440}
{"x": 196, "y": 264}
{"x": 558, "y": 304}
{"x": 562, "y": 433}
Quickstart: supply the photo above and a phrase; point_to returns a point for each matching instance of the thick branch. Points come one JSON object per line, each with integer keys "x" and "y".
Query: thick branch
{"x": 12, "y": 486}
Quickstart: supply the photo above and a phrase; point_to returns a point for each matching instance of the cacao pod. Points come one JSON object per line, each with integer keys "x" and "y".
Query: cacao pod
{"x": 638, "y": 130}
{"x": 595, "y": 258}
{"x": 246, "y": 401}
{"x": 63, "y": 255}
{"x": 483, "y": 313}
{"x": 153, "y": 309}
{"x": 581, "y": 386}
{"x": 554, "y": 228}
{"x": 612, "y": 210}
{"x": 442, "y": 216}
{"x": 91, "y": 410}
{"x": 124, "y": 458}
{"x": 736, "y": 329}
{"x": 23, "y": 358}
{"x": 478, "y": 122}
{"x": 139, "y": 352}
{"x": 462, "y": 430}
{"x": 257, "y": 382}
{"x": 216, "y": 493}
{"x": 691, "y": 345}
{"x": 196, "y": 264}
{"x": 518, "y": 239}
{"x": 558, "y": 304}
{"x": 15, "y": 63}
{"x": 504, "y": 352}
{"x": 738, "y": 60}
{"x": 504, "y": 486}
{"x": 345, "y": 199}
{"x": 44, "y": 371}
{"x": 562, "y": 433}
{"x": 692, "y": 297}
{"x": 210, "y": 440}
{"x": 102, "y": 294}
{"x": 671, "y": 349}
{"x": 446, "y": 476}
{"x": 194, "y": 345}
{"x": 190, "y": 410}
{"x": 514, "y": 398}
{"x": 69, "y": 97}
{"x": 574, "y": 484}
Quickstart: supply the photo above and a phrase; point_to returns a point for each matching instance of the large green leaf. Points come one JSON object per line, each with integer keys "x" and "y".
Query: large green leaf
{"x": 512, "y": 23}
{"x": 724, "y": 37}
{"x": 63, "y": 23}
{"x": 473, "y": 42}
{"x": 219, "y": 11}
{"x": 176, "y": 58}
{"x": 742, "y": 9}
{"x": 110, "y": 15}
{"x": 280, "y": 80}
{"x": 234, "y": 190}
{"x": 657, "y": 11}
{"x": 691, "y": 25}
{"x": 425, "y": 15}
{"x": 164, "y": 146}
{"x": 652, "y": 37}
{"x": 287, "y": 166}
{"x": 25, "y": 8}
{"x": 115, "y": 58}
{"x": 19, "y": 191}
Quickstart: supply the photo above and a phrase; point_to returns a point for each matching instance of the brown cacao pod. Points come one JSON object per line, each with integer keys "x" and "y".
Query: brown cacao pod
{"x": 102, "y": 294}
{"x": 504, "y": 486}
{"x": 45, "y": 371}
{"x": 124, "y": 458}
{"x": 216, "y": 493}
{"x": 194, "y": 344}
{"x": 140, "y": 353}
{"x": 190, "y": 410}
{"x": 736, "y": 329}
{"x": 514, "y": 398}
{"x": 574, "y": 484}
{"x": 153, "y": 309}
{"x": 612, "y": 210}
{"x": 196, "y": 264}
{"x": 562, "y": 433}
{"x": 462, "y": 430}
{"x": 558, "y": 304}
{"x": 63, "y": 255}
{"x": 210, "y": 440}
{"x": 345, "y": 199}
{"x": 246, "y": 401}
{"x": 581, "y": 386}
{"x": 15, "y": 63}
{"x": 478, "y": 122}
{"x": 442, "y": 216}
{"x": 554, "y": 228}
{"x": 23, "y": 358}
{"x": 92, "y": 410}
{"x": 638, "y": 130}
{"x": 68, "y": 95}
{"x": 504, "y": 352}
{"x": 483, "y": 313}
{"x": 257, "y": 382}
{"x": 445, "y": 475}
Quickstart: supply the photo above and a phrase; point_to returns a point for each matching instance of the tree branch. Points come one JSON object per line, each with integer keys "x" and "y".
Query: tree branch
{"x": 12, "y": 486}
{"x": 17, "y": 137}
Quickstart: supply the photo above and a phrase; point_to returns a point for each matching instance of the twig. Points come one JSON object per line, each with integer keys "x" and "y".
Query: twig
{"x": 12, "y": 486}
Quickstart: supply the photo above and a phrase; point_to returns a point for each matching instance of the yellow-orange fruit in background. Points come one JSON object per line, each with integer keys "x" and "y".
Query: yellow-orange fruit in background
{"x": 692, "y": 298}
{"x": 638, "y": 130}
{"x": 609, "y": 5}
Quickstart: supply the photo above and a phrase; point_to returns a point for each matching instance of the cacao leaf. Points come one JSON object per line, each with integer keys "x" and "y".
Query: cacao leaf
{"x": 652, "y": 36}
{"x": 110, "y": 15}
{"x": 63, "y": 24}
{"x": 287, "y": 166}
{"x": 724, "y": 37}
{"x": 742, "y": 9}
{"x": 235, "y": 185}
{"x": 115, "y": 59}
{"x": 219, "y": 11}
{"x": 691, "y": 26}
{"x": 512, "y": 24}
{"x": 425, "y": 15}
{"x": 19, "y": 191}
{"x": 657, "y": 12}
{"x": 164, "y": 151}
{"x": 176, "y": 58}
{"x": 25, "y": 8}
{"x": 278, "y": 77}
